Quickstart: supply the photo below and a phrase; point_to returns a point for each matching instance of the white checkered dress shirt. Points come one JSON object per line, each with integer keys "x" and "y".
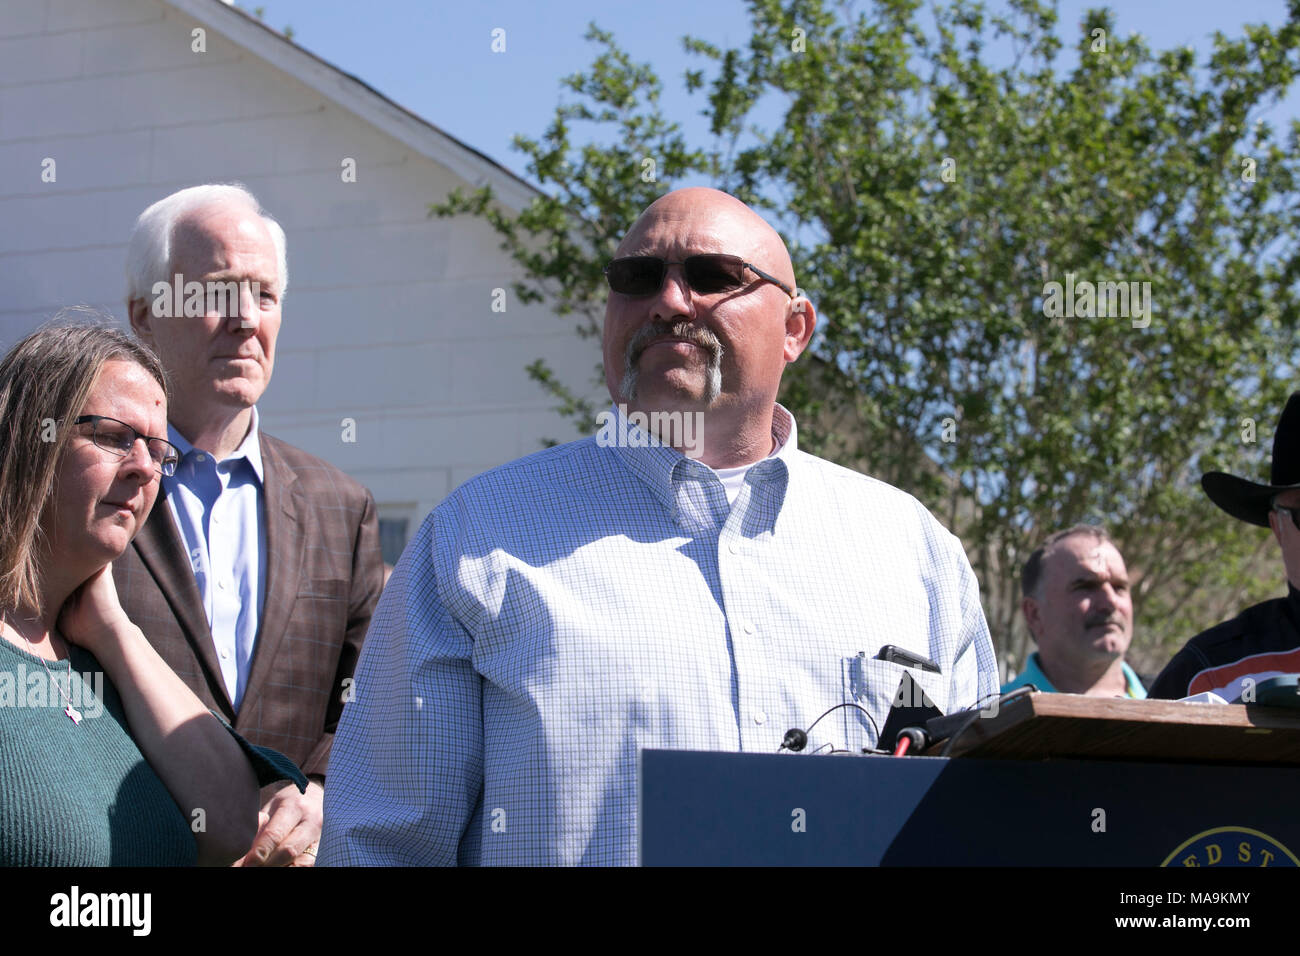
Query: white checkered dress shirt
{"x": 556, "y": 615}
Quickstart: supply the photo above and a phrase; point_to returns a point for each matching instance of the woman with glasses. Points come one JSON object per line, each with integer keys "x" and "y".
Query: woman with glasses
{"x": 106, "y": 757}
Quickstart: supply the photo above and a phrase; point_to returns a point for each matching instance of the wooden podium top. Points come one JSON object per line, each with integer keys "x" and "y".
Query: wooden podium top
{"x": 1040, "y": 726}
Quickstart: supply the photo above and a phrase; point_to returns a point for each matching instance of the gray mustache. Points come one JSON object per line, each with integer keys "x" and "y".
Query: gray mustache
{"x": 658, "y": 329}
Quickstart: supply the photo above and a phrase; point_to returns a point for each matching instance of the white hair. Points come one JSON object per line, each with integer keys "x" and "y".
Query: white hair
{"x": 149, "y": 255}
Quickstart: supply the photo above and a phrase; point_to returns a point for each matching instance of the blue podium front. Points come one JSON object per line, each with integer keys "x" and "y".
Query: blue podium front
{"x": 729, "y": 809}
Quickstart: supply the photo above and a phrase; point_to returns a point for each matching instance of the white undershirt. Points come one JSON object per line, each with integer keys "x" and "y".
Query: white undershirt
{"x": 733, "y": 479}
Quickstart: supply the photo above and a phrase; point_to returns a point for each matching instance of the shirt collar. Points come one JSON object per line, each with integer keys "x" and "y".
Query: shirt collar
{"x": 250, "y": 448}
{"x": 1033, "y": 674}
{"x": 1135, "y": 688}
{"x": 660, "y": 466}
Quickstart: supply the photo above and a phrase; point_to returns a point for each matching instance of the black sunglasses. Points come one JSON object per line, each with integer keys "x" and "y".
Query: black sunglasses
{"x": 639, "y": 276}
{"x": 119, "y": 438}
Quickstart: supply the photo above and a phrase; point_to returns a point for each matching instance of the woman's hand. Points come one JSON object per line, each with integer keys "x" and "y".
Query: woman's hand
{"x": 199, "y": 762}
{"x": 92, "y": 613}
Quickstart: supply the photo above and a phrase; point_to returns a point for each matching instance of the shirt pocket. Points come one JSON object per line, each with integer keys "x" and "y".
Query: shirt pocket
{"x": 873, "y": 685}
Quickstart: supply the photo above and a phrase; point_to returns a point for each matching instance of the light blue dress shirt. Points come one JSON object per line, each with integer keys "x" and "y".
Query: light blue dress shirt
{"x": 559, "y": 614}
{"x": 218, "y": 509}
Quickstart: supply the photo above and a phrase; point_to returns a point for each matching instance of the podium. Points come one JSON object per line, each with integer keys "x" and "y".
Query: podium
{"x": 1051, "y": 780}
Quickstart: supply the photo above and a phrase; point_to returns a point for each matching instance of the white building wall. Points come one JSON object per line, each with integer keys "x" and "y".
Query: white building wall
{"x": 388, "y": 319}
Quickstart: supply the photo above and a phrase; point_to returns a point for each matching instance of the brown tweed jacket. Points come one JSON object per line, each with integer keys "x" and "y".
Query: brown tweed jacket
{"x": 324, "y": 572}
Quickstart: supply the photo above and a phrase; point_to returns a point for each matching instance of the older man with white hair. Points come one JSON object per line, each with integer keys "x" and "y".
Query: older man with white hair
{"x": 258, "y": 569}
{"x": 559, "y": 614}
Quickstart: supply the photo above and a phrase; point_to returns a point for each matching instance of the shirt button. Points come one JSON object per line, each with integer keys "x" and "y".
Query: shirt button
{"x": 733, "y": 548}
{"x": 225, "y": 654}
{"x": 201, "y": 457}
{"x": 747, "y": 627}
{"x": 222, "y": 585}
{"x": 760, "y": 717}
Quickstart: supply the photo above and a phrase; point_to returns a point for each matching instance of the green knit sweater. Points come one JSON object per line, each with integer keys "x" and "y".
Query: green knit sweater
{"x": 83, "y": 794}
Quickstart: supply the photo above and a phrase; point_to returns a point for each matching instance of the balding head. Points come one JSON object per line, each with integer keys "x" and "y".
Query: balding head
{"x": 701, "y": 209}
{"x": 680, "y": 348}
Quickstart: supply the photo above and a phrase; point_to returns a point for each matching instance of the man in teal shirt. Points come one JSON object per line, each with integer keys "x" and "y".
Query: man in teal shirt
{"x": 1077, "y": 604}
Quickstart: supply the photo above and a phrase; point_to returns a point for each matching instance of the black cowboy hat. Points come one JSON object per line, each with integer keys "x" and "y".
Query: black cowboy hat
{"x": 1249, "y": 500}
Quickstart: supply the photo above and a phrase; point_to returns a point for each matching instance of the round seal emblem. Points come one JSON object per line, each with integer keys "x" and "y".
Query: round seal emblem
{"x": 1231, "y": 846}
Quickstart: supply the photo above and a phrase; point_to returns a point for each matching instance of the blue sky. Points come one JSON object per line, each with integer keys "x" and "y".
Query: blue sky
{"x": 435, "y": 58}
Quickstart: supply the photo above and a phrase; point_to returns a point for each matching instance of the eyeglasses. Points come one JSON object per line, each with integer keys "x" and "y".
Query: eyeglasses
{"x": 119, "y": 438}
{"x": 640, "y": 276}
{"x": 1293, "y": 512}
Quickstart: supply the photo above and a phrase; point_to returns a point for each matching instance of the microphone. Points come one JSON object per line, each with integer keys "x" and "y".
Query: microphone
{"x": 795, "y": 740}
{"x": 911, "y": 740}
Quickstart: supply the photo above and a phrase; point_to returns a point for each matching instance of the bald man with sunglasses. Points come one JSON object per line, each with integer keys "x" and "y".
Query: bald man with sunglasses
{"x": 638, "y": 590}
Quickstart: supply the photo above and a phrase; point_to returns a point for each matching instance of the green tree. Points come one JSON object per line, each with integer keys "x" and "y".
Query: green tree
{"x": 932, "y": 185}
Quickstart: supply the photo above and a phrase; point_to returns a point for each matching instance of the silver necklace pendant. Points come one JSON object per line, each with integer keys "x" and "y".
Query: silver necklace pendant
{"x": 74, "y": 715}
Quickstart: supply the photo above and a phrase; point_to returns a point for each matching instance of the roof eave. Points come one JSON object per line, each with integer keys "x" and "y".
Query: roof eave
{"x": 360, "y": 99}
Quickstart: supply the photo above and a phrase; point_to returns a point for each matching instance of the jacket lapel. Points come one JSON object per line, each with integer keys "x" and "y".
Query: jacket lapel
{"x": 284, "y": 557}
{"x": 163, "y": 552}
